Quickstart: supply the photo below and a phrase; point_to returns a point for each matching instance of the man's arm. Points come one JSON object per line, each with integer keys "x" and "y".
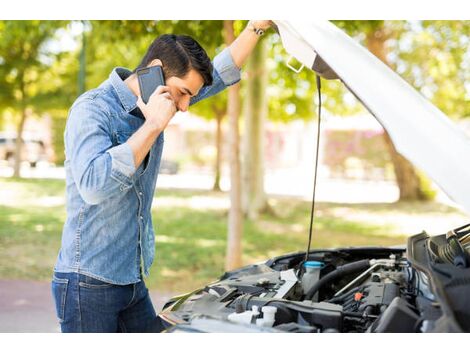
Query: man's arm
{"x": 242, "y": 47}
{"x": 227, "y": 64}
{"x": 99, "y": 169}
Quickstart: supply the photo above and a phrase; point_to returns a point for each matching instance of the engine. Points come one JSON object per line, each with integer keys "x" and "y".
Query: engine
{"x": 333, "y": 291}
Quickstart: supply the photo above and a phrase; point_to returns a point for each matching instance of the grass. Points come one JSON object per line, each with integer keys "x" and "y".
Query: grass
{"x": 191, "y": 228}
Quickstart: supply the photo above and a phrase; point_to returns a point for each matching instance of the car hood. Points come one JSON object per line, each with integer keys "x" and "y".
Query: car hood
{"x": 419, "y": 130}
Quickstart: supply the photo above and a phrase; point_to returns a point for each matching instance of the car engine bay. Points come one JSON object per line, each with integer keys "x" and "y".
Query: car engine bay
{"x": 341, "y": 290}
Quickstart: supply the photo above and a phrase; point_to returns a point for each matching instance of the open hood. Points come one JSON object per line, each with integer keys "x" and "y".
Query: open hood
{"x": 419, "y": 130}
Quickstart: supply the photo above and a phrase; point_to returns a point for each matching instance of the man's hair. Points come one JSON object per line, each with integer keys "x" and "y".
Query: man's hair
{"x": 179, "y": 54}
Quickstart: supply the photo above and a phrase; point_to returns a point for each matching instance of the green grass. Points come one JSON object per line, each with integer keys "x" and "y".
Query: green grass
{"x": 191, "y": 230}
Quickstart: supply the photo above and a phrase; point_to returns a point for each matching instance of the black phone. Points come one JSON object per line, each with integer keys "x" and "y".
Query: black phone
{"x": 149, "y": 79}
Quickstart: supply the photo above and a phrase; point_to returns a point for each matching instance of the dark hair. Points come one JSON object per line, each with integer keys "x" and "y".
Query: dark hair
{"x": 179, "y": 54}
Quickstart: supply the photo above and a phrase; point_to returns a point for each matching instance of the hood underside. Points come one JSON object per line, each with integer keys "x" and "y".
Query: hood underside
{"x": 419, "y": 130}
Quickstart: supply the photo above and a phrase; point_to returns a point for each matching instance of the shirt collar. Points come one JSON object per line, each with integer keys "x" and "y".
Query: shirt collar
{"x": 127, "y": 98}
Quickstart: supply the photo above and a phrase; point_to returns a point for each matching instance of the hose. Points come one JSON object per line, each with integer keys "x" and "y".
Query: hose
{"x": 340, "y": 271}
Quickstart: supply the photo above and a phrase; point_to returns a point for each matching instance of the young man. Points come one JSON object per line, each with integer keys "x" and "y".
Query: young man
{"x": 113, "y": 147}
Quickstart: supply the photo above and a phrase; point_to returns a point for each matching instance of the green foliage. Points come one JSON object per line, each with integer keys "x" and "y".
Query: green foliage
{"x": 24, "y": 57}
{"x": 294, "y": 95}
{"x": 428, "y": 192}
{"x": 124, "y": 43}
{"x": 434, "y": 56}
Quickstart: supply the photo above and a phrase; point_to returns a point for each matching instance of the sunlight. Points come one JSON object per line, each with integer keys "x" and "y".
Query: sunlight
{"x": 195, "y": 202}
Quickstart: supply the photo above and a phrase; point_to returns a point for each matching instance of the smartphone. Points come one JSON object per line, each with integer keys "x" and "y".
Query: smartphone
{"x": 149, "y": 79}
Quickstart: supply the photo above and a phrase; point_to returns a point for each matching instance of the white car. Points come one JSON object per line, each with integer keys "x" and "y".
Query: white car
{"x": 421, "y": 287}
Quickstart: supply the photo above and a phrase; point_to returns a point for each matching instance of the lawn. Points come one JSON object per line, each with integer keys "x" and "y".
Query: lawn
{"x": 191, "y": 228}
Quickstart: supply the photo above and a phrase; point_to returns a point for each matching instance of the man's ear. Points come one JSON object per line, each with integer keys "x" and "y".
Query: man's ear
{"x": 155, "y": 62}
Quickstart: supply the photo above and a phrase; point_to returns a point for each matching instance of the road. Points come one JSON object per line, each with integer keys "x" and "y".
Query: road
{"x": 27, "y": 306}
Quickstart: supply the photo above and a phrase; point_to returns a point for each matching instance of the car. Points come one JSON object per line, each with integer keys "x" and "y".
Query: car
{"x": 421, "y": 286}
{"x": 33, "y": 150}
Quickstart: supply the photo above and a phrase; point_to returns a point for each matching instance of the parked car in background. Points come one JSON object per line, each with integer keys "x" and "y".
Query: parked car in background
{"x": 33, "y": 150}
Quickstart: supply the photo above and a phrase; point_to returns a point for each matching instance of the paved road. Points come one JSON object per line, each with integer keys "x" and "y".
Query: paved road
{"x": 27, "y": 306}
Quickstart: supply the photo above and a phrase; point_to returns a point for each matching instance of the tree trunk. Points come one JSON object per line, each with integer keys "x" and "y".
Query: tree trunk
{"x": 19, "y": 132}
{"x": 82, "y": 64}
{"x": 405, "y": 174}
{"x": 219, "y": 115}
{"x": 233, "y": 257}
{"x": 19, "y": 144}
{"x": 256, "y": 106}
{"x": 406, "y": 177}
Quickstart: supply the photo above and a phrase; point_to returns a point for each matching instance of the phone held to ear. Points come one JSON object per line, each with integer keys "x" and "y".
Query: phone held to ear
{"x": 149, "y": 79}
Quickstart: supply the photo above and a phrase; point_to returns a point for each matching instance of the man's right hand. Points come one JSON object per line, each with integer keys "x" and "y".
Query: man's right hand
{"x": 159, "y": 109}
{"x": 157, "y": 112}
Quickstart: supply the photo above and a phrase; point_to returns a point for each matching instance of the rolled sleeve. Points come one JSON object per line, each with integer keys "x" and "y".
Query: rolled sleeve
{"x": 229, "y": 73}
{"x": 99, "y": 168}
{"x": 122, "y": 163}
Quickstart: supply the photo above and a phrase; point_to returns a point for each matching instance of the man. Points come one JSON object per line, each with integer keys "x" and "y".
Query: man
{"x": 113, "y": 147}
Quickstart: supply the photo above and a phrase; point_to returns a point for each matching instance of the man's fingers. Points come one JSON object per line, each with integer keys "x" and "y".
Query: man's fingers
{"x": 167, "y": 95}
{"x": 161, "y": 90}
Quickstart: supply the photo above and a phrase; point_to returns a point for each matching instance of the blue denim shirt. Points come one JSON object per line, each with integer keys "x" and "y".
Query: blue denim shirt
{"x": 108, "y": 233}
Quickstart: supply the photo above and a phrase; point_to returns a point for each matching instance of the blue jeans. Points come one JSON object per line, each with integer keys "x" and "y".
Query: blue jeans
{"x": 85, "y": 304}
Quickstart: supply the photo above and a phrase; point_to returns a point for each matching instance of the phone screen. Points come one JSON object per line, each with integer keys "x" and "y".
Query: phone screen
{"x": 149, "y": 79}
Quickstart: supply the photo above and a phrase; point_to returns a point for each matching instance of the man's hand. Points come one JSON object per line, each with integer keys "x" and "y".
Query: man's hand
{"x": 157, "y": 112}
{"x": 242, "y": 47}
{"x": 160, "y": 108}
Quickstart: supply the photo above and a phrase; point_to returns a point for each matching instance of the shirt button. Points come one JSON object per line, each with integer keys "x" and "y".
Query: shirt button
{"x": 141, "y": 217}
{"x": 140, "y": 193}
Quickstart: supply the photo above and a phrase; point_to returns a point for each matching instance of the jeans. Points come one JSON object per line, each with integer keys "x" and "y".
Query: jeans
{"x": 85, "y": 304}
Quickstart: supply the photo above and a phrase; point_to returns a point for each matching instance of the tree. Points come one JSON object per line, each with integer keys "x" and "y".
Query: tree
{"x": 215, "y": 109}
{"x": 405, "y": 46}
{"x": 406, "y": 176}
{"x": 233, "y": 258}
{"x": 376, "y": 35}
{"x": 212, "y": 108}
{"x": 23, "y": 57}
{"x": 256, "y": 108}
{"x": 433, "y": 57}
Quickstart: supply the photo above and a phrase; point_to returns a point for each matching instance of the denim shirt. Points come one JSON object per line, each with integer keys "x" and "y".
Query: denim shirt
{"x": 108, "y": 233}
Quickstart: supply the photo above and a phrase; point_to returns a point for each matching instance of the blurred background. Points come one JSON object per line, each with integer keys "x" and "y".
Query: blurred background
{"x": 367, "y": 193}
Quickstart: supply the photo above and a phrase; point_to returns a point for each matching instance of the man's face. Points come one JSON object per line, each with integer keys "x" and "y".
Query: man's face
{"x": 182, "y": 89}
